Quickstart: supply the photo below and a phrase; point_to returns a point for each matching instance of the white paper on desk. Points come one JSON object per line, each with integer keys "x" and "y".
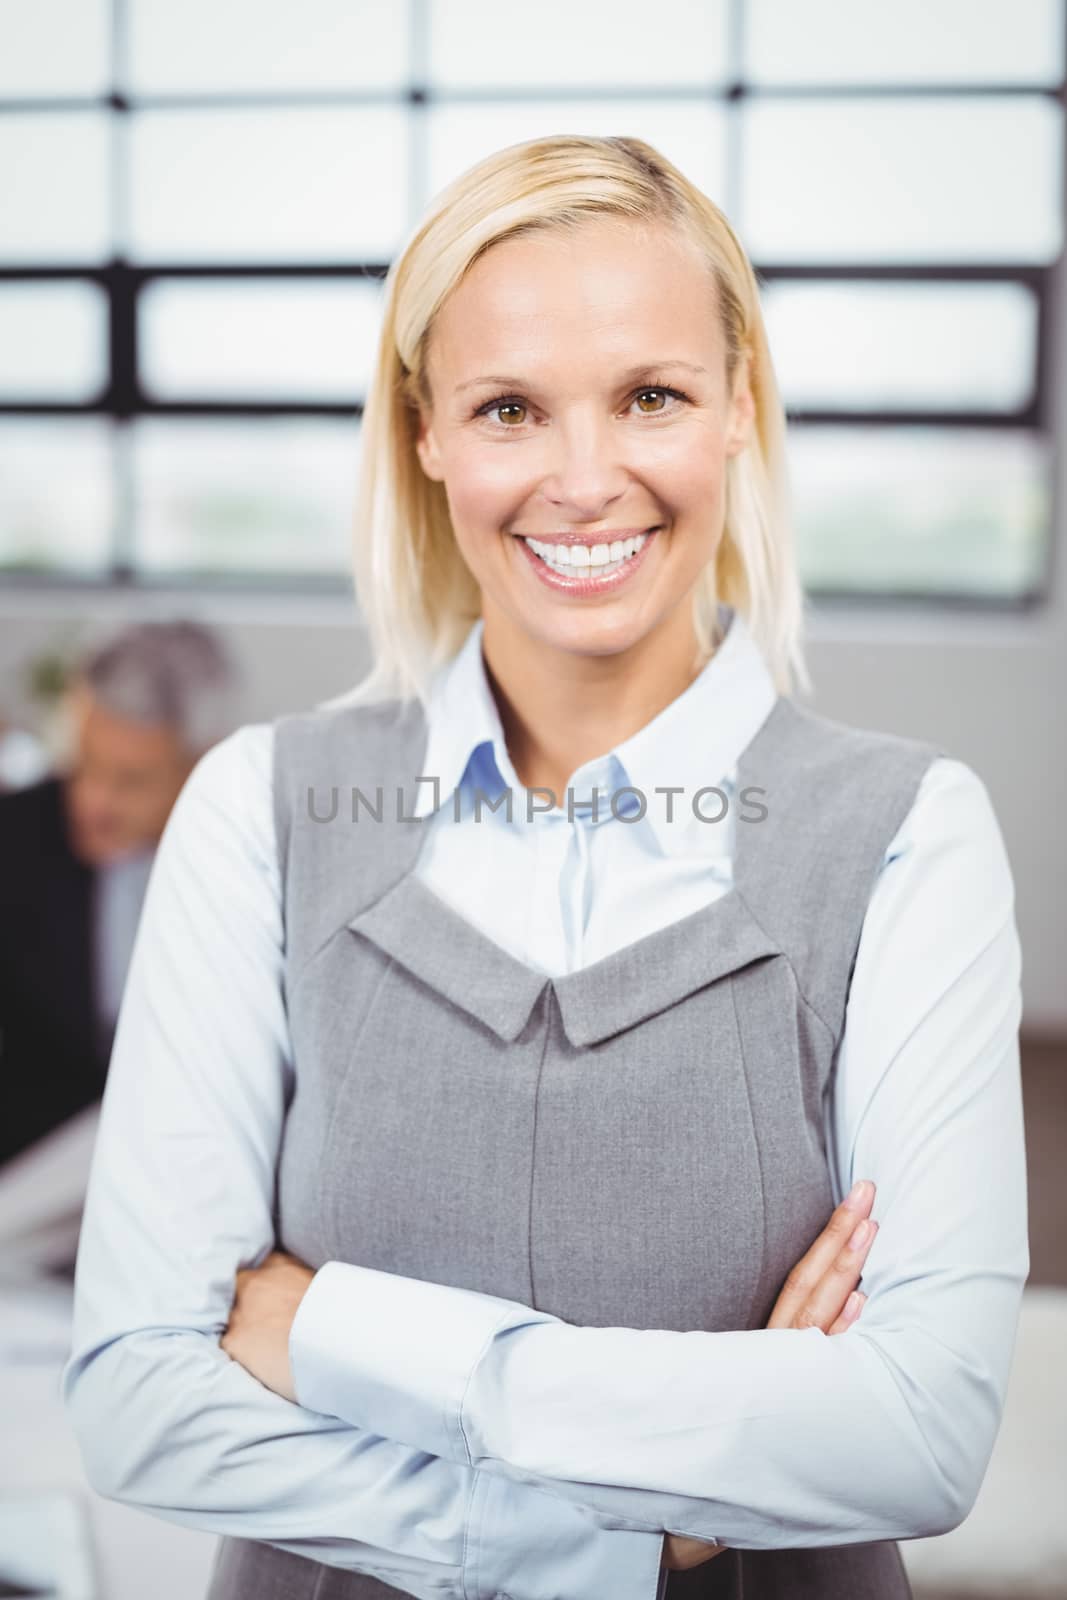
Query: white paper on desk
{"x": 46, "y": 1546}
{"x": 42, "y": 1192}
{"x": 36, "y": 1315}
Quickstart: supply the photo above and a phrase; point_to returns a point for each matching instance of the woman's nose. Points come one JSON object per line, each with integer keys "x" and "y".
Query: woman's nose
{"x": 586, "y": 471}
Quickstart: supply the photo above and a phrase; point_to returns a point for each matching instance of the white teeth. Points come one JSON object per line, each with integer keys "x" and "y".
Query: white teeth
{"x": 565, "y": 557}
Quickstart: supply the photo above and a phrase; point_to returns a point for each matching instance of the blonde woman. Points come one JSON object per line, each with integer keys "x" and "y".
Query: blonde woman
{"x": 526, "y": 1055}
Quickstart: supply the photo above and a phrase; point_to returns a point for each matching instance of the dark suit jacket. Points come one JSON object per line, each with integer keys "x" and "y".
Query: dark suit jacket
{"x": 53, "y": 1061}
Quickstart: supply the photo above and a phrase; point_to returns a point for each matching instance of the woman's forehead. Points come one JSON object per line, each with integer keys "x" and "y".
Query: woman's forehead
{"x": 535, "y": 298}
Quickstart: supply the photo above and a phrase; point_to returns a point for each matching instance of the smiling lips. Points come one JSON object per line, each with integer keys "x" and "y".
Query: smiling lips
{"x": 568, "y": 555}
{"x": 606, "y": 536}
{"x": 567, "y": 563}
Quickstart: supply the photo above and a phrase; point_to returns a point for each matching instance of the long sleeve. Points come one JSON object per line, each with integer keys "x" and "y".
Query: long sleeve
{"x": 180, "y": 1197}
{"x": 775, "y": 1438}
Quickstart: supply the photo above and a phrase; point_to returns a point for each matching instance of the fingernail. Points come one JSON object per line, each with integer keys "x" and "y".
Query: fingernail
{"x": 852, "y": 1305}
{"x": 859, "y": 1237}
{"x": 858, "y": 1192}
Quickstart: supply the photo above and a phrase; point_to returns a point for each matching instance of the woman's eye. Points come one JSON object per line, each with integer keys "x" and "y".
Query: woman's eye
{"x": 667, "y": 392}
{"x": 507, "y": 406}
{"x": 501, "y": 404}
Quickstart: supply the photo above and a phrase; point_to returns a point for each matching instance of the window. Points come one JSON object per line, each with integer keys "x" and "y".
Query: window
{"x": 199, "y": 202}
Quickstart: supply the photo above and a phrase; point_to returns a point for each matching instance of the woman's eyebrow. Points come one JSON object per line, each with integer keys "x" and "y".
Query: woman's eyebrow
{"x": 646, "y": 370}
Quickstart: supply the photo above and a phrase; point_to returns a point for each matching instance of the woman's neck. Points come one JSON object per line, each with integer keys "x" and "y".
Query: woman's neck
{"x": 560, "y": 708}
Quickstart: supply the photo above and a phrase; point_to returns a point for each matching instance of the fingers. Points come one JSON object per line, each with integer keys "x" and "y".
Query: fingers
{"x": 852, "y": 1308}
{"x": 680, "y": 1552}
{"x": 828, "y": 1300}
{"x": 799, "y": 1289}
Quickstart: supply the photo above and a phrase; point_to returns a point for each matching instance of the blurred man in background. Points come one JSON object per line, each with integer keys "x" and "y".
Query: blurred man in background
{"x": 76, "y": 849}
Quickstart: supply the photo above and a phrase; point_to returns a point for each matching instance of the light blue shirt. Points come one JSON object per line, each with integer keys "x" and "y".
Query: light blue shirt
{"x": 456, "y": 1444}
{"x": 560, "y": 891}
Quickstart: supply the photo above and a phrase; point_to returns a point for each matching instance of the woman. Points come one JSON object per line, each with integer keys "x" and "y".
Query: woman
{"x": 469, "y": 1210}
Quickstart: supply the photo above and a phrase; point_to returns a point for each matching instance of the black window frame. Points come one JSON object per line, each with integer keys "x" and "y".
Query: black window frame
{"x": 123, "y": 398}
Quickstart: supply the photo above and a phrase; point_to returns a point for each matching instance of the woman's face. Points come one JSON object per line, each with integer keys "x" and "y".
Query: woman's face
{"x": 580, "y": 396}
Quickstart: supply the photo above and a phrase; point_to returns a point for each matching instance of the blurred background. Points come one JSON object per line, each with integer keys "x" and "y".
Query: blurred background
{"x": 198, "y": 204}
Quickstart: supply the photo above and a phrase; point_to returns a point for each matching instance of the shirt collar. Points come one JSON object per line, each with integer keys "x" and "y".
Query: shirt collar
{"x": 727, "y": 702}
{"x": 464, "y": 723}
{"x": 696, "y": 741}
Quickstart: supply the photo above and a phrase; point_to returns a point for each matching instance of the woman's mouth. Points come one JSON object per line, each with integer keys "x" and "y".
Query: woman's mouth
{"x": 586, "y": 568}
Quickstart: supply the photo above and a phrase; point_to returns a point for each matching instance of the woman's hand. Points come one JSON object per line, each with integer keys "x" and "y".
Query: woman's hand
{"x": 820, "y": 1292}
{"x": 264, "y": 1305}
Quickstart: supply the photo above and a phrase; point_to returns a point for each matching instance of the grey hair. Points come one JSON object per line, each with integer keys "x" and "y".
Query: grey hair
{"x": 177, "y": 673}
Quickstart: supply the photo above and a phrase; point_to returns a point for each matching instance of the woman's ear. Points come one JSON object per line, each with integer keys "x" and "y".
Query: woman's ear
{"x": 426, "y": 447}
{"x": 742, "y": 414}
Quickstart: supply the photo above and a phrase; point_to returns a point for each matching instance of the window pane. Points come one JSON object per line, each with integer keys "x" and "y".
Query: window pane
{"x": 910, "y": 41}
{"x": 919, "y": 511}
{"x": 56, "y": 47}
{"x": 903, "y": 180}
{"x": 240, "y": 45}
{"x": 692, "y": 136}
{"x": 56, "y": 494}
{"x": 261, "y": 497}
{"x": 480, "y": 43}
{"x": 917, "y": 347}
{"x": 282, "y": 185}
{"x": 259, "y": 340}
{"x": 53, "y": 341}
{"x": 54, "y": 187}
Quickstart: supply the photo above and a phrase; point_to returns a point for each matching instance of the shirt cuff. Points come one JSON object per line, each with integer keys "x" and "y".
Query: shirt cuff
{"x": 394, "y": 1354}
{"x": 526, "y": 1544}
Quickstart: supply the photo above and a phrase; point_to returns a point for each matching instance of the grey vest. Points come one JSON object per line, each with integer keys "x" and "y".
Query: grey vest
{"x": 679, "y": 1168}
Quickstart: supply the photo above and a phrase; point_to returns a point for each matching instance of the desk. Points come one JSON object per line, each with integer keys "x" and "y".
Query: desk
{"x": 136, "y": 1554}
{"x": 41, "y": 1195}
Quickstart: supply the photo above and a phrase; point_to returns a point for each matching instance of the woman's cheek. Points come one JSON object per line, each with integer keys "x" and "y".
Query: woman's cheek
{"x": 483, "y": 491}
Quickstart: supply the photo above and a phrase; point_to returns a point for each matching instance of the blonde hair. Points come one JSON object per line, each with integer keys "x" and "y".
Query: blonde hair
{"x": 416, "y": 593}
